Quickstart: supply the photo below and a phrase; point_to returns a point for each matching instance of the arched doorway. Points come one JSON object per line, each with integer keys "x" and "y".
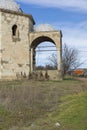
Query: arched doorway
{"x": 34, "y": 45}
{"x": 36, "y": 38}
{"x": 44, "y": 53}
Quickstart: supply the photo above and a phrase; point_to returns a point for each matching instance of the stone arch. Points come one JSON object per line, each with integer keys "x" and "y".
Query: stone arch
{"x": 40, "y": 39}
{"x": 52, "y": 36}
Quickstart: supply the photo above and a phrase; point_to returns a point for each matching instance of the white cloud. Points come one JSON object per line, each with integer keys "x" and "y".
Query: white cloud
{"x": 68, "y": 4}
{"x": 75, "y": 35}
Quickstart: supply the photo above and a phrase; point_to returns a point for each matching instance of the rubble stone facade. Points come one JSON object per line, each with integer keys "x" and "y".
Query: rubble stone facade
{"x": 14, "y": 43}
{"x": 18, "y": 41}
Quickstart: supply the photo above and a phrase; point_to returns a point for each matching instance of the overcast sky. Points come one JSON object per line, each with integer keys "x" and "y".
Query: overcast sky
{"x": 68, "y": 16}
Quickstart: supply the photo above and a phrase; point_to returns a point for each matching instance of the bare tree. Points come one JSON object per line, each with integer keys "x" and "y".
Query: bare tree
{"x": 70, "y": 60}
{"x": 53, "y": 60}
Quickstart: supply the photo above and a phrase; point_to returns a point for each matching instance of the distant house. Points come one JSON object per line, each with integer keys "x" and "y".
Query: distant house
{"x": 80, "y": 72}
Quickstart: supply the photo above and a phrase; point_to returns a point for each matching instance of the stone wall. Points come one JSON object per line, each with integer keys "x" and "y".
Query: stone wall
{"x": 14, "y": 48}
{"x": 17, "y": 43}
{"x": 52, "y": 36}
{"x": 0, "y": 45}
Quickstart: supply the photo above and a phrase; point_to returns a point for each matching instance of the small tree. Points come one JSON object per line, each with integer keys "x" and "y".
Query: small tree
{"x": 69, "y": 59}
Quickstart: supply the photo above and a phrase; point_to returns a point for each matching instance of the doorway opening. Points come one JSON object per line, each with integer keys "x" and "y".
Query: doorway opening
{"x": 44, "y": 54}
{"x": 42, "y": 46}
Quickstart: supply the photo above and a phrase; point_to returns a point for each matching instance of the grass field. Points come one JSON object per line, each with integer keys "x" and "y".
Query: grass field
{"x": 43, "y": 105}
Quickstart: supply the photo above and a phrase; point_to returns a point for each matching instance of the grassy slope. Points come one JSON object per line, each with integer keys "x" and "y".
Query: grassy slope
{"x": 30, "y": 105}
{"x": 73, "y": 112}
{"x": 71, "y": 115}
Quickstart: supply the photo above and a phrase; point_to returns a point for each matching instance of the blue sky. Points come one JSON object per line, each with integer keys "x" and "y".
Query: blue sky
{"x": 68, "y": 16}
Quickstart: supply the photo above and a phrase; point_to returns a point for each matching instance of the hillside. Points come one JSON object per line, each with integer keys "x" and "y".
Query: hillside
{"x": 46, "y": 105}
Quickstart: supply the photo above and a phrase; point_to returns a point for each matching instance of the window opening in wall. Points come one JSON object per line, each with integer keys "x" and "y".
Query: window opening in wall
{"x": 14, "y": 30}
{"x": 15, "y": 33}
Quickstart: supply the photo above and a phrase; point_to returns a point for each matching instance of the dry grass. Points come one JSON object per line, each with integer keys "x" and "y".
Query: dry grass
{"x": 24, "y": 102}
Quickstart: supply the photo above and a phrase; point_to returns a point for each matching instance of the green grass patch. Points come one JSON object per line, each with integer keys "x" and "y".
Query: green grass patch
{"x": 36, "y": 105}
{"x": 72, "y": 113}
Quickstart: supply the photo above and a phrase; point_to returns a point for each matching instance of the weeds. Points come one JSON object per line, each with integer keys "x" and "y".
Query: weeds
{"x": 25, "y": 103}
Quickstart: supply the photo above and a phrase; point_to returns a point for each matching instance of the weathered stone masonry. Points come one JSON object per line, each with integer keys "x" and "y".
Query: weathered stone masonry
{"x": 18, "y": 41}
{"x": 14, "y": 44}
